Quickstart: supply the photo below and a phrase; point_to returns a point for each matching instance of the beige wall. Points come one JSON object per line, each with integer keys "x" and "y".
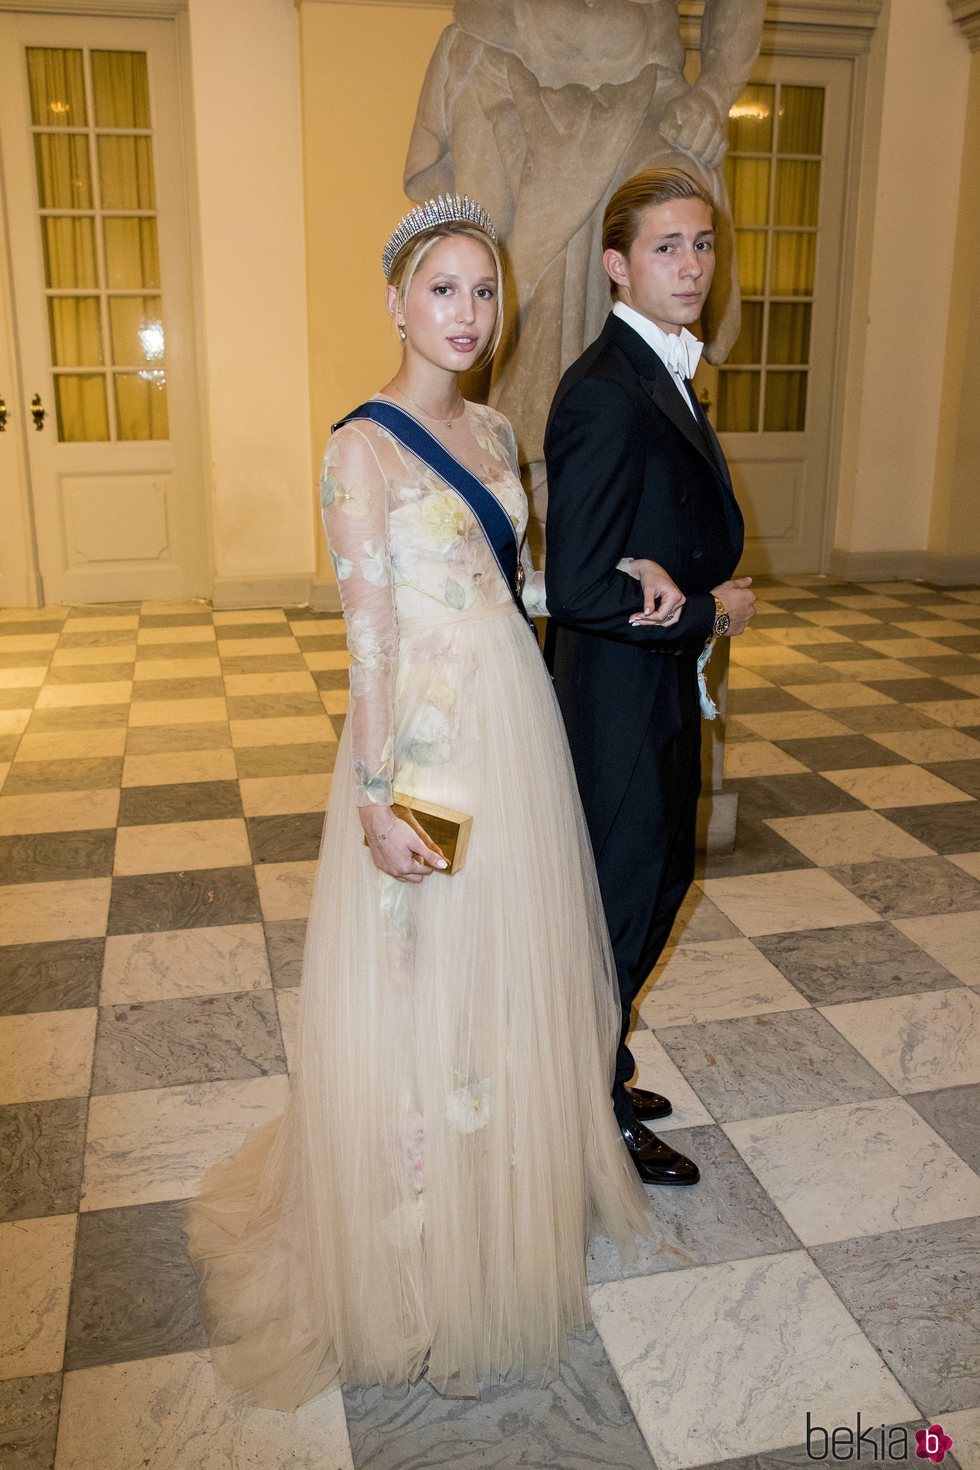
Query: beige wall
{"x": 252, "y": 289}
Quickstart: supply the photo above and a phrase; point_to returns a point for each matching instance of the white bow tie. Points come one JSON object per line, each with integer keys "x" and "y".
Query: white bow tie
{"x": 683, "y": 353}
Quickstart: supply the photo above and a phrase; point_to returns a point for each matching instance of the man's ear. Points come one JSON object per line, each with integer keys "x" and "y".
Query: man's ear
{"x": 616, "y": 268}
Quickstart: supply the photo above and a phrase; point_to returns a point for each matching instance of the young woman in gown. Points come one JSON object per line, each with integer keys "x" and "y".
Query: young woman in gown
{"x": 426, "y": 1201}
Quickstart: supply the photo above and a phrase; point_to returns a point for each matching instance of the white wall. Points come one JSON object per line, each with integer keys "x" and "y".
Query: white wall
{"x": 252, "y": 287}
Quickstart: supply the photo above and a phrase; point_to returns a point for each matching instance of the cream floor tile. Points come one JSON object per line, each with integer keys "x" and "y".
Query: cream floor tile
{"x": 969, "y": 683}
{"x": 895, "y": 786}
{"x": 307, "y": 627}
{"x": 929, "y": 628}
{"x": 171, "y": 847}
{"x": 241, "y": 617}
{"x": 266, "y": 796}
{"x": 47, "y": 1054}
{"x": 256, "y": 647}
{"x": 916, "y": 1042}
{"x": 837, "y": 696}
{"x": 757, "y": 655}
{"x": 176, "y": 668}
{"x": 969, "y": 594}
{"x": 929, "y": 745}
{"x": 954, "y": 610}
{"x": 82, "y": 696}
{"x": 202, "y": 633}
{"x": 100, "y": 623}
{"x": 157, "y": 1145}
{"x": 869, "y": 601}
{"x": 953, "y": 712}
{"x": 335, "y": 701}
{"x": 715, "y": 980}
{"x": 4, "y": 768}
{"x": 285, "y": 889}
{"x": 168, "y": 1414}
{"x": 327, "y": 659}
{"x": 27, "y": 642}
{"x": 759, "y": 758}
{"x": 35, "y": 1280}
{"x": 287, "y": 1004}
{"x": 31, "y": 677}
{"x": 837, "y": 617}
{"x": 172, "y": 712}
{"x": 875, "y": 668}
{"x": 58, "y": 811}
{"x": 776, "y": 903}
{"x": 740, "y": 677}
{"x": 54, "y": 611}
{"x": 856, "y": 1169}
{"x": 968, "y": 861}
{"x": 799, "y": 637}
{"x": 184, "y": 962}
{"x": 794, "y": 725}
{"x": 64, "y": 658}
{"x": 70, "y": 745}
{"x": 658, "y": 1072}
{"x": 724, "y": 1361}
{"x": 289, "y": 683}
{"x": 181, "y": 605}
{"x": 787, "y": 592}
{"x": 963, "y": 1427}
{"x": 291, "y": 730}
{"x": 908, "y": 648}
{"x": 32, "y": 912}
{"x": 13, "y": 721}
{"x": 847, "y": 837}
{"x": 952, "y": 939}
{"x": 171, "y": 768}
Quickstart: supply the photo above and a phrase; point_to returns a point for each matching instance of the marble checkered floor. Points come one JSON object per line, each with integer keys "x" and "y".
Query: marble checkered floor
{"x": 163, "y": 771}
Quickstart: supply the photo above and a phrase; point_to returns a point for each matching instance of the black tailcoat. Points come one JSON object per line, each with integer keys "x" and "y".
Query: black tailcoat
{"x": 633, "y": 472}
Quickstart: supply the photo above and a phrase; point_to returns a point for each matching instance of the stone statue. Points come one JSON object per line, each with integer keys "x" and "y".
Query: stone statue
{"x": 539, "y": 109}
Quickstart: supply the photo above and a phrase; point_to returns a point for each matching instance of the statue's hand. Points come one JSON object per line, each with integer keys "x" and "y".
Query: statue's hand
{"x": 693, "y": 123}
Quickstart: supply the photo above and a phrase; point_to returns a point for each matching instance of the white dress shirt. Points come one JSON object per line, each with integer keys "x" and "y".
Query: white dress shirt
{"x": 680, "y": 352}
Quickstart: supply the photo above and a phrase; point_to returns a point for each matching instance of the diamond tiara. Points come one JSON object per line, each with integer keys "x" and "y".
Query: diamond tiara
{"x": 448, "y": 209}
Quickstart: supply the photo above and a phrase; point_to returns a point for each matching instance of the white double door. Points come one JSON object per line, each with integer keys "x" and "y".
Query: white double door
{"x": 101, "y": 489}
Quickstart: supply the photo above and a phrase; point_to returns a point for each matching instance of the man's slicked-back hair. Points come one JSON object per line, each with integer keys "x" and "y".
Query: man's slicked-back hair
{"x": 623, "y": 217}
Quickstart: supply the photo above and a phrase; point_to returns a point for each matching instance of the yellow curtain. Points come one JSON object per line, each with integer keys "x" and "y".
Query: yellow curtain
{"x": 121, "y": 87}
{"x": 56, "y": 80}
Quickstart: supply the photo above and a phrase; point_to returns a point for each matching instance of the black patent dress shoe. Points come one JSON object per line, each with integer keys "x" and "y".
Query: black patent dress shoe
{"x": 655, "y": 1161}
{"x": 647, "y": 1105}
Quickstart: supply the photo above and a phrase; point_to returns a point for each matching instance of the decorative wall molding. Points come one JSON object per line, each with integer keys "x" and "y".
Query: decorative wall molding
{"x": 290, "y": 589}
{"x": 143, "y": 9}
{"x": 966, "y": 14}
{"x": 905, "y": 566}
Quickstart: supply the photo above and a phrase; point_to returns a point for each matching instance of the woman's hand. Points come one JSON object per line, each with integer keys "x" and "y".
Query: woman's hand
{"x": 662, "y": 598}
{"x": 398, "y": 845}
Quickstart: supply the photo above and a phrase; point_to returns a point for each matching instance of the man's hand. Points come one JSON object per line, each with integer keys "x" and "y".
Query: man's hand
{"x": 693, "y": 123}
{"x": 662, "y": 598}
{"x": 739, "y": 603}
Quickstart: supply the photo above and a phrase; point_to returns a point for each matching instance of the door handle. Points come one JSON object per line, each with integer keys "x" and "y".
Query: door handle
{"x": 704, "y": 398}
{"x": 3, "y": 415}
{"x": 38, "y": 412}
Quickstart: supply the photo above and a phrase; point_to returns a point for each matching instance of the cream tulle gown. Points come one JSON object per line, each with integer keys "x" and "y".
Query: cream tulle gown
{"x": 426, "y": 1201}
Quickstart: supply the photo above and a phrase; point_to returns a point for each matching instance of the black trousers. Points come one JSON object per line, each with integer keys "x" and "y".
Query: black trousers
{"x": 645, "y": 861}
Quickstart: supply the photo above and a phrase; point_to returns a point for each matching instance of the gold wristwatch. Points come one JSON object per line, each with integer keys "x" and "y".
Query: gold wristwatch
{"x": 722, "y": 624}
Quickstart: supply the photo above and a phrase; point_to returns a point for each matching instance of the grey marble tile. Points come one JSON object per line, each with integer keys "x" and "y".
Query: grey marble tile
{"x": 284, "y": 940}
{"x": 48, "y": 857}
{"x": 107, "y": 638}
{"x": 273, "y": 628}
{"x": 203, "y": 648}
{"x": 964, "y": 774}
{"x": 200, "y": 619}
{"x": 276, "y": 706}
{"x": 912, "y": 691}
{"x": 170, "y": 1043}
{"x": 191, "y": 801}
{"x": 913, "y": 1293}
{"x": 868, "y": 718}
{"x": 145, "y": 903}
{"x": 762, "y": 701}
{"x": 292, "y": 837}
{"x": 17, "y": 698}
{"x": 78, "y": 717}
{"x": 157, "y": 739}
{"x": 946, "y": 828}
{"x": 321, "y": 642}
{"x": 954, "y": 1112}
{"x": 758, "y": 849}
{"x": 854, "y": 962}
{"x": 261, "y": 663}
{"x": 87, "y": 773}
{"x": 581, "y": 1422}
{"x": 21, "y": 658}
{"x": 780, "y": 1062}
{"x": 905, "y": 887}
{"x": 155, "y": 689}
{"x": 841, "y": 652}
{"x": 29, "y": 1421}
{"x": 839, "y": 752}
{"x": 963, "y": 643}
{"x": 877, "y": 630}
{"x": 331, "y": 678}
{"x": 134, "y": 1292}
{"x": 41, "y": 1148}
{"x": 728, "y": 1216}
{"x": 699, "y": 921}
{"x": 802, "y": 795}
{"x": 60, "y": 975}
{"x": 944, "y": 667}
{"x": 284, "y": 760}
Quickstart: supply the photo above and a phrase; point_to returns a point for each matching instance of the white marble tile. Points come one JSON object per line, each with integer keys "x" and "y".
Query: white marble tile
{"x": 39, "y": 643}
{"x": 928, "y": 745}
{"x": 289, "y": 730}
{"x": 264, "y": 796}
{"x": 242, "y": 617}
{"x": 158, "y": 1144}
{"x": 798, "y": 637}
{"x": 954, "y": 712}
{"x": 952, "y": 939}
{"x": 908, "y": 648}
{"x": 168, "y": 1413}
{"x": 837, "y": 695}
{"x": 31, "y": 677}
{"x": 916, "y": 1042}
{"x": 335, "y": 701}
{"x": 32, "y": 912}
{"x": 776, "y": 903}
{"x": 199, "y": 633}
{"x": 285, "y": 889}
{"x": 656, "y": 1071}
{"x": 170, "y": 712}
{"x": 69, "y": 745}
{"x": 856, "y": 1169}
{"x": 292, "y": 682}
{"x": 82, "y": 696}
{"x": 874, "y": 668}
{"x": 119, "y": 653}
{"x": 870, "y": 601}
{"x": 794, "y": 725}
{"x": 287, "y": 1004}
{"x": 723, "y": 1361}
{"x": 968, "y": 861}
{"x": 757, "y": 655}
{"x": 307, "y": 627}
{"x": 58, "y": 811}
{"x": 103, "y": 623}
{"x": 53, "y": 612}
{"x": 930, "y": 628}
{"x": 184, "y": 962}
{"x": 327, "y": 658}
{"x": 895, "y": 786}
{"x": 36, "y": 1258}
{"x": 968, "y": 594}
{"x": 847, "y": 837}
{"x": 4, "y": 769}
{"x": 713, "y": 981}
{"x": 759, "y": 758}
{"x": 963, "y": 1427}
{"x": 172, "y": 847}
{"x": 839, "y": 616}
{"x": 740, "y": 677}
{"x": 47, "y": 1054}
{"x": 206, "y": 667}
{"x": 257, "y": 647}
{"x": 14, "y": 721}
{"x": 969, "y": 683}
{"x": 174, "y": 767}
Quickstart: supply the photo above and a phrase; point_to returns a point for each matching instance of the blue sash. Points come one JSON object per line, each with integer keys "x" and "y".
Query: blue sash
{"x": 493, "y": 520}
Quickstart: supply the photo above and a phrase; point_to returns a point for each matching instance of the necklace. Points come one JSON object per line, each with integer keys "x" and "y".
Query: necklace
{"x": 424, "y": 411}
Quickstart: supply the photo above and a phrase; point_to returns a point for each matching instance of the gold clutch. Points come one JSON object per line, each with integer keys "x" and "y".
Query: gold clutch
{"x": 449, "y": 830}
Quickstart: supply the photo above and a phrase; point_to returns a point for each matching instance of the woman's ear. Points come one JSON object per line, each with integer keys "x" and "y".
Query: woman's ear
{"x": 391, "y": 301}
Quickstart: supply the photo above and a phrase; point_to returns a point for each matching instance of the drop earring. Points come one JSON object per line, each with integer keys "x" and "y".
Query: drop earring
{"x": 402, "y": 333}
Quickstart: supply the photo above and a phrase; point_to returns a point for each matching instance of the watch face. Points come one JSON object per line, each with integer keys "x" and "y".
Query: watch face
{"x": 722, "y": 624}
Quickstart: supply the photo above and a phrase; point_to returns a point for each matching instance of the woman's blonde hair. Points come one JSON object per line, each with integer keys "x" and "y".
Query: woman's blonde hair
{"x": 406, "y": 265}
{"x": 623, "y": 218}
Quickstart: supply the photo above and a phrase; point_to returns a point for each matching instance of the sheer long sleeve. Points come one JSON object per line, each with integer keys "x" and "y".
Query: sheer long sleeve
{"x": 354, "y": 503}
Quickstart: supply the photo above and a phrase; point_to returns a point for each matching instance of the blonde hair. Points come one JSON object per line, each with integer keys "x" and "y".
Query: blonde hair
{"x": 623, "y": 218}
{"x": 405, "y": 268}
